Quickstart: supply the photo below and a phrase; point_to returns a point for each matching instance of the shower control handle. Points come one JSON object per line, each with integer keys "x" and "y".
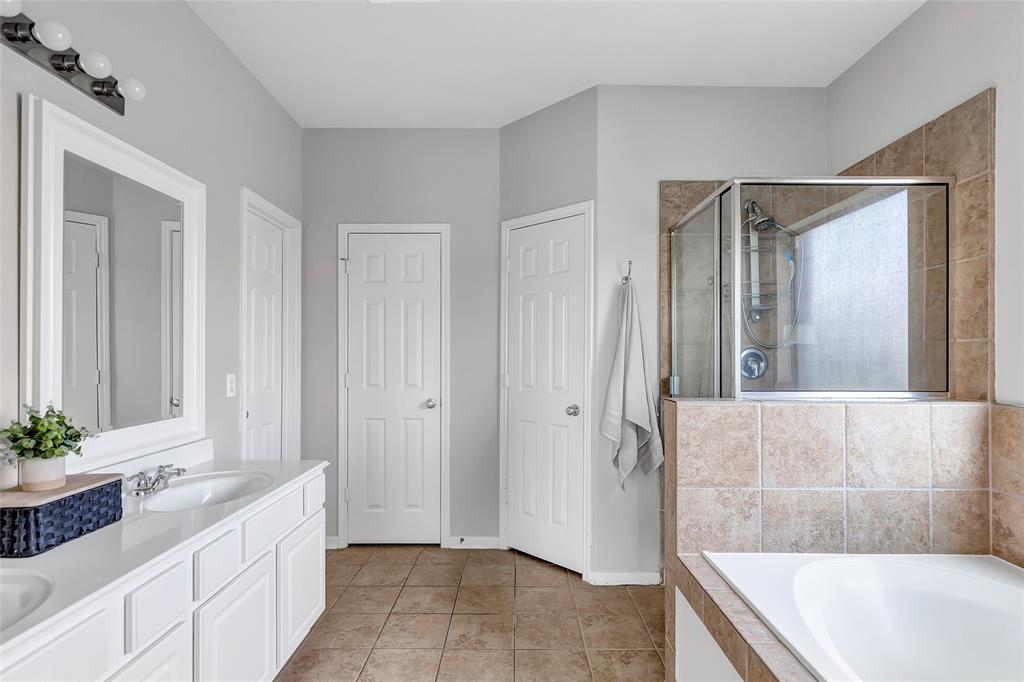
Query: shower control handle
{"x": 573, "y": 410}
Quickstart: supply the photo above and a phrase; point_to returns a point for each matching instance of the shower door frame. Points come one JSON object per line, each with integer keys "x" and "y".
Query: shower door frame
{"x": 735, "y": 230}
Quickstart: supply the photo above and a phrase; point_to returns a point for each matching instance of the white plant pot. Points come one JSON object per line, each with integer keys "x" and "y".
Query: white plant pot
{"x": 42, "y": 474}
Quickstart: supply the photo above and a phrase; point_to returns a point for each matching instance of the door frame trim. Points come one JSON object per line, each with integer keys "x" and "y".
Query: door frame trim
{"x": 444, "y": 230}
{"x": 102, "y": 225}
{"x": 291, "y": 321}
{"x": 166, "y": 298}
{"x": 586, "y": 209}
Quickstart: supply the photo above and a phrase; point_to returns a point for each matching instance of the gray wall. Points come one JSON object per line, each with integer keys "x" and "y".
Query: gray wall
{"x": 942, "y": 55}
{"x": 411, "y": 176}
{"x": 549, "y": 158}
{"x": 205, "y": 115}
{"x": 648, "y": 134}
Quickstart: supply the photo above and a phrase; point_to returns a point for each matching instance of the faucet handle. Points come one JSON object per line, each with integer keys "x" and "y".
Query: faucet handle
{"x": 136, "y": 478}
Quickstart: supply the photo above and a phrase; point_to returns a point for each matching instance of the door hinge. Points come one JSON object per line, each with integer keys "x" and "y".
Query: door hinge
{"x": 346, "y": 380}
{"x": 344, "y": 264}
{"x": 346, "y": 495}
{"x": 508, "y": 380}
{"x": 508, "y": 265}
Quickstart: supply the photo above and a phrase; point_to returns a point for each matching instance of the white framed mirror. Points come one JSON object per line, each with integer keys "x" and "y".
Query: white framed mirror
{"x": 113, "y": 288}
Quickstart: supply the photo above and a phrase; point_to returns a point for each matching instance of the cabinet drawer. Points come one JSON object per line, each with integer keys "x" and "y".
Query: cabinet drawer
{"x": 155, "y": 605}
{"x": 261, "y": 529}
{"x": 314, "y": 494}
{"x": 82, "y": 652}
{"x": 215, "y": 563}
{"x": 169, "y": 659}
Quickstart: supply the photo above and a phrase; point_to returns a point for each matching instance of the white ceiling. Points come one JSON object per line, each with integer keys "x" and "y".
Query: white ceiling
{"x": 485, "y": 64}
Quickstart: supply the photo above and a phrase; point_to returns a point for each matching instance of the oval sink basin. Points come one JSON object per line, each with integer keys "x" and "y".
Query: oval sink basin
{"x": 21, "y": 593}
{"x": 204, "y": 490}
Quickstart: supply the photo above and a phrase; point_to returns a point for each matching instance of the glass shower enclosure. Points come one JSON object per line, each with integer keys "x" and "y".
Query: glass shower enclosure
{"x": 813, "y": 287}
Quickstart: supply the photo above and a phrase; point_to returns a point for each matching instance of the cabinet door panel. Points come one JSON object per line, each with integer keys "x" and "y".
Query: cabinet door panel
{"x": 300, "y": 584}
{"x": 168, "y": 660}
{"x": 235, "y": 630}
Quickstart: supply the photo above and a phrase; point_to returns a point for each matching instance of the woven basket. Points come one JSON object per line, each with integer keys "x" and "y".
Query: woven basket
{"x": 27, "y": 531}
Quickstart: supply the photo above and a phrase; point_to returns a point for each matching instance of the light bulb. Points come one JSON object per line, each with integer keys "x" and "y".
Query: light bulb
{"x": 52, "y": 34}
{"x": 131, "y": 88}
{"x": 96, "y": 64}
{"x": 10, "y": 8}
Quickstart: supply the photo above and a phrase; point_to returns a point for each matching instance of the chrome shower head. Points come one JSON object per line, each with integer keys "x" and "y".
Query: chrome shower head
{"x": 759, "y": 221}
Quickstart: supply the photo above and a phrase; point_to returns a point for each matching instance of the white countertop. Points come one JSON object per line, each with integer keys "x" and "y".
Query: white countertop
{"x": 83, "y": 567}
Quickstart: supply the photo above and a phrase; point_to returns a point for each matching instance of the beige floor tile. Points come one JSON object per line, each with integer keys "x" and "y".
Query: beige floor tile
{"x": 324, "y": 664}
{"x": 604, "y": 600}
{"x": 649, "y": 600}
{"x": 426, "y": 600}
{"x": 481, "y": 631}
{"x": 474, "y": 666}
{"x": 491, "y": 556}
{"x": 355, "y": 554}
{"x": 340, "y": 575}
{"x": 656, "y": 628}
{"x": 489, "y": 575}
{"x": 389, "y": 575}
{"x": 619, "y": 631}
{"x": 346, "y": 631}
{"x": 548, "y": 632}
{"x": 576, "y": 580}
{"x": 544, "y": 600}
{"x": 545, "y": 666}
{"x": 435, "y": 575}
{"x": 406, "y": 665}
{"x": 366, "y": 600}
{"x": 441, "y": 555}
{"x": 485, "y": 600}
{"x": 394, "y": 555}
{"x": 522, "y": 558}
{"x": 627, "y": 665}
{"x": 540, "y": 575}
{"x": 414, "y": 631}
{"x": 331, "y": 595}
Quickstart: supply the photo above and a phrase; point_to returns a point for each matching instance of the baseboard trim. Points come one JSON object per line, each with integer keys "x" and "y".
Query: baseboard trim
{"x": 332, "y": 542}
{"x": 628, "y": 578}
{"x": 474, "y": 542}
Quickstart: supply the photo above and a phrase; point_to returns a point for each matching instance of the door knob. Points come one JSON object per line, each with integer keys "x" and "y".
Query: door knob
{"x": 573, "y": 410}
{"x": 431, "y": 403}
{"x": 175, "y": 402}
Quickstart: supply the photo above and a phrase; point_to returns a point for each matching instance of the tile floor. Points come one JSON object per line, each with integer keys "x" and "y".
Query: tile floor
{"x": 425, "y": 613}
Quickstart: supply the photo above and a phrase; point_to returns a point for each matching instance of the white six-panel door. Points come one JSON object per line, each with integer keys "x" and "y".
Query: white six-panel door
{"x": 546, "y": 355}
{"x": 264, "y": 286}
{"x": 393, "y": 376}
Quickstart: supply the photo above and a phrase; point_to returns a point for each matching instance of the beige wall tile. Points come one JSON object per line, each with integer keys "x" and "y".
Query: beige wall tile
{"x": 887, "y": 521}
{"x": 957, "y": 143}
{"x": 679, "y": 197}
{"x": 936, "y": 230}
{"x": 970, "y": 370}
{"x": 803, "y": 521}
{"x": 970, "y": 298}
{"x": 773, "y": 661}
{"x": 936, "y": 304}
{"x": 718, "y": 519}
{"x": 1008, "y": 449}
{"x": 972, "y": 226}
{"x": 802, "y": 444}
{"x": 960, "y": 522}
{"x": 905, "y": 156}
{"x": 863, "y": 167}
{"x": 727, "y": 636}
{"x": 746, "y": 622}
{"x": 887, "y": 445}
{"x": 1008, "y": 527}
{"x": 959, "y": 445}
{"x": 718, "y": 444}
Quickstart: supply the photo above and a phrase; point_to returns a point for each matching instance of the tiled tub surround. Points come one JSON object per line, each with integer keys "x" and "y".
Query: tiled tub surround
{"x": 1008, "y": 483}
{"x": 857, "y": 477}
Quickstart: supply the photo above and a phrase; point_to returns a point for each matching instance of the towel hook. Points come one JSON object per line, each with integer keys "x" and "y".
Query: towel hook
{"x": 629, "y": 272}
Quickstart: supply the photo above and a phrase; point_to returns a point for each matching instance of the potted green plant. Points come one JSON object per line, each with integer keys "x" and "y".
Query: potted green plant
{"x": 41, "y": 443}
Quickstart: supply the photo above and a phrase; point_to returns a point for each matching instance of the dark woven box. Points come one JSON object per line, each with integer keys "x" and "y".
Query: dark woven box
{"x": 27, "y": 531}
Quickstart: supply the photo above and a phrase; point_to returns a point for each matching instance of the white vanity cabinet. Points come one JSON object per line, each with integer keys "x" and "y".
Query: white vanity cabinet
{"x": 232, "y": 603}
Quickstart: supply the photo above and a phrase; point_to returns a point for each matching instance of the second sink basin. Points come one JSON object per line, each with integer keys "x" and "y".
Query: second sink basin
{"x": 203, "y": 490}
{"x": 21, "y": 593}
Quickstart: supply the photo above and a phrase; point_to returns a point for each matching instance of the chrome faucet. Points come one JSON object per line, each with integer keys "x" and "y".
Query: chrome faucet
{"x": 144, "y": 484}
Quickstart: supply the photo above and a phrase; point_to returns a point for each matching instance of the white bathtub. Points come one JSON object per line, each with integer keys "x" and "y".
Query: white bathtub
{"x": 888, "y": 617}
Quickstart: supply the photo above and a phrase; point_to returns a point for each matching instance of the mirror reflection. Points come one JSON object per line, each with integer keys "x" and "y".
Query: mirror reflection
{"x": 122, "y": 299}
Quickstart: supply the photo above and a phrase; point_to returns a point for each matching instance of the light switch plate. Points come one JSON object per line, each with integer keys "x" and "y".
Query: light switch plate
{"x": 231, "y": 386}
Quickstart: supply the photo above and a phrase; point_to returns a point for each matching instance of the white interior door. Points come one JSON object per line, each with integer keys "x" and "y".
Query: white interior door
{"x": 393, "y": 374}
{"x": 81, "y": 352}
{"x": 546, "y": 359}
{"x": 264, "y": 333}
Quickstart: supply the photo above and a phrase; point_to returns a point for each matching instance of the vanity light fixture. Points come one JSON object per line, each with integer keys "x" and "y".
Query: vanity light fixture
{"x": 47, "y": 43}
